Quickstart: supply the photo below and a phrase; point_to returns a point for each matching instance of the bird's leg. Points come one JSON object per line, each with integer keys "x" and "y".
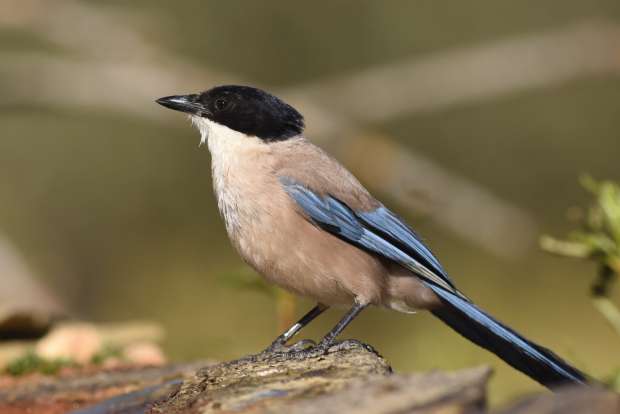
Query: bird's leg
{"x": 279, "y": 345}
{"x": 308, "y": 349}
{"x": 329, "y": 339}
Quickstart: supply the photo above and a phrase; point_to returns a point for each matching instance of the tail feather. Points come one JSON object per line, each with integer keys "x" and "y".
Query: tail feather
{"x": 533, "y": 360}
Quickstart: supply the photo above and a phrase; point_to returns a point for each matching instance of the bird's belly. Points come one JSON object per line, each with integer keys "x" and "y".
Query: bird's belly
{"x": 289, "y": 251}
{"x": 292, "y": 253}
{"x": 271, "y": 235}
{"x": 294, "y": 268}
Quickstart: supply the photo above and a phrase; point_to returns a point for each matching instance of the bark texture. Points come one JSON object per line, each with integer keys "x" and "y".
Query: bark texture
{"x": 347, "y": 379}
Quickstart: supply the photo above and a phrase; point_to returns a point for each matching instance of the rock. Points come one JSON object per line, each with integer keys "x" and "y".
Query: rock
{"x": 80, "y": 343}
{"x": 144, "y": 353}
{"x": 77, "y": 342}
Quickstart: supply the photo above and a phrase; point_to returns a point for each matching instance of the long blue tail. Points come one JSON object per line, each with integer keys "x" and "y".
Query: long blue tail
{"x": 533, "y": 360}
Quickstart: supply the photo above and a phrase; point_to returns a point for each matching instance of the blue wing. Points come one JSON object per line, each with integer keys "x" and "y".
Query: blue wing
{"x": 379, "y": 231}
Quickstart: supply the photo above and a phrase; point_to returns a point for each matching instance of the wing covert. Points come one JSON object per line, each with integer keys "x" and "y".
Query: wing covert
{"x": 379, "y": 231}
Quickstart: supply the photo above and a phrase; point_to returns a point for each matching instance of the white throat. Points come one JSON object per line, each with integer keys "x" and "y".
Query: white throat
{"x": 220, "y": 139}
{"x": 203, "y": 126}
{"x": 233, "y": 164}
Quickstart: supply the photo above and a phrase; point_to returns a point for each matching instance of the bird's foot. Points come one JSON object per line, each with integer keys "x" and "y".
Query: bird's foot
{"x": 278, "y": 347}
{"x": 307, "y": 348}
{"x": 304, "y": 350}
{"x": 345, "y": 345}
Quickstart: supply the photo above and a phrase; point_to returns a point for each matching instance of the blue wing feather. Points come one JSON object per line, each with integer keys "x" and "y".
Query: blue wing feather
{"x": 532, "y": 359}
{"x": 384, "y": 221}
{"x": 379, "y": 231}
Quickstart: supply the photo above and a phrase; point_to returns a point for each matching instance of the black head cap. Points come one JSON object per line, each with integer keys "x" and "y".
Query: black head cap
{"x": 248, "y": 110}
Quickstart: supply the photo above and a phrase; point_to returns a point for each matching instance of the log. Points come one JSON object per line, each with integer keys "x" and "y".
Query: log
{"x": 569, "y": 400}
{"x": 122, "y": 388}
{"x": 349, "y": 378}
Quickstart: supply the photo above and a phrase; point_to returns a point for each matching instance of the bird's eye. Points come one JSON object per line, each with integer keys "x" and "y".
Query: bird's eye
{"x": 221, "y": 104}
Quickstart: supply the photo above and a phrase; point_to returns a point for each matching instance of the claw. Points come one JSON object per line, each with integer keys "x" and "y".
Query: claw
{"x": 347, "y": 344}
{"x": 307, "y": 348}
{"x": 280, "y": 348}
{"x": 302, "y": 345}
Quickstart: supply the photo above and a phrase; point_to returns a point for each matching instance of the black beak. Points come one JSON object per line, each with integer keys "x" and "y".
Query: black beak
{"x": 184, "y": 103}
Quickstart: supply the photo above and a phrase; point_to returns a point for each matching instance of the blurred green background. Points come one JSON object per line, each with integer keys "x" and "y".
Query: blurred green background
{"x": 108, "y": 196}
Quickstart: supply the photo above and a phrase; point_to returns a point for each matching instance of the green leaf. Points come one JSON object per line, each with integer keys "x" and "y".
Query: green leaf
{"x": 565, "y": 247}
{"x": 609, "y": 202}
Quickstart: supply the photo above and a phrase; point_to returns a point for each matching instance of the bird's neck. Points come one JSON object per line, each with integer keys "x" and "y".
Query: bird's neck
{"x": 239, "y": 165}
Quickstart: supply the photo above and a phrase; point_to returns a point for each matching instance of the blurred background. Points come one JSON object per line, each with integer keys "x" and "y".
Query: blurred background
{"x": 472, "y": 120}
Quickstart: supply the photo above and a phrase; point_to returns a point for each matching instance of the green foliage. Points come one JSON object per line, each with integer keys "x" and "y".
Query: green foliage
{"x": 614, "y": 380}
{"x": 597, "y": 240}
{"x": 31, "y": 362}
{"x": 105, "y": 353}
{"x": 599, "y": 237}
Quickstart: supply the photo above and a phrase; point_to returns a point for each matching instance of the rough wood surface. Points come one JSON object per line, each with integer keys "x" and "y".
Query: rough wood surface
{"x": 346, "y": 379}
{"x": 81, "y": 388}
{"x": 570, "y": 400}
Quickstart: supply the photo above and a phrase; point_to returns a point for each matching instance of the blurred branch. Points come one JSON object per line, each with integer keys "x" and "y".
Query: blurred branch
{"x": 454, "y": 202}
{"x": 106, "y": 63}
{"x": 440, "y": 81}
{"x": 472, "y": 74}
{"x": 124, "y": 71}
{"x": 125, "y": 87}
{"x": 421, "y": 84}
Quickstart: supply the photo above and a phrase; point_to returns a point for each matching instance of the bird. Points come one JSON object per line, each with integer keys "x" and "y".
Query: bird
{"x": 305, "y": 223}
